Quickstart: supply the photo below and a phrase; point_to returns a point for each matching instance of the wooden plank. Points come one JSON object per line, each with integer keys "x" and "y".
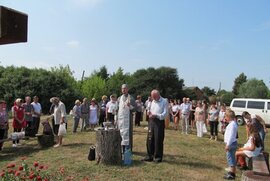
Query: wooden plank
{"x": 260, "y": 164}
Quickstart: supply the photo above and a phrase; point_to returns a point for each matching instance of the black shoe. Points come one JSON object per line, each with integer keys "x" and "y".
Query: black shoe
{"x": 243, "y": 168}
{"x": 158, "y": 160}
{"x": 229, "y": 176}
{"x": 147, "y": 159}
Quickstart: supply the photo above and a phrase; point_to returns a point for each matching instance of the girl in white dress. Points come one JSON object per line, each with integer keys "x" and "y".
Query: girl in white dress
{"x": 252, "y": 148}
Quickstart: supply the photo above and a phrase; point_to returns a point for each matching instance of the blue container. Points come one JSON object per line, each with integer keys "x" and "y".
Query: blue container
{"x": 127, "y": 157}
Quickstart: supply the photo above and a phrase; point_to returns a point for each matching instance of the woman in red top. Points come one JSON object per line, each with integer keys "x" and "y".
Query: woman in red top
{"x": 18, "y": 118}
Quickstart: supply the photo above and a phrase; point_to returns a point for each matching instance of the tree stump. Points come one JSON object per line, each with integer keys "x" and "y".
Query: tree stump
{"x": 45, "y": 140}
{"x": 108, "y": 147}
{"x": 250, "y": 176}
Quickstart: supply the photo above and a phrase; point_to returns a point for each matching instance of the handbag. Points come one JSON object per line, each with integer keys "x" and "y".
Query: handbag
{"x": 92, "y": 153}
{"x": 62, "y": 129}
{"x": 204, "y": 128}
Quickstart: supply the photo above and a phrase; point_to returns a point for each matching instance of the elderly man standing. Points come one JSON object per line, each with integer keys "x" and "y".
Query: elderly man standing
{"x": 185, "y": 108}
{"x": 85, "y": 114}
{"x": 59, "y": 115}
{"x": 158, "y": 110}
{"x": 126, "y": 104}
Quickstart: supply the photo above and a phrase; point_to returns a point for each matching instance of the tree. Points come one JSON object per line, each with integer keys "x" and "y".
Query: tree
{"x": 116, "y": 80}
{"x": 165, "y": 79}
{"x": 102, "y": 73}
{"x": 94, "y": 87}
{"x": 225, "y": 96}
{"x": 242, "y": 78}
{"x": 254, "y": 88}
{"x": 208, "y": 92}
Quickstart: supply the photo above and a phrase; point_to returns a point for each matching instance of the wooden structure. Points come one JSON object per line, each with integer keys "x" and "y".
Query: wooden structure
{"x": 13, "y": 26}
{"x": 250, "y": 176}
{"x": 45, "y": 141}
{"x": 108, "y": 147}
{"x": 260, "y": 169}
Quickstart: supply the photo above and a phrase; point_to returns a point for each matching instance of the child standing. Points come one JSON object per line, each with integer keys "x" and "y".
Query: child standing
{"x": 230, "y": 139}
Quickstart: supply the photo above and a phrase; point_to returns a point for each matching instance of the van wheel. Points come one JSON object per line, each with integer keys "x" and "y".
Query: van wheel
{"x": 240, "y": 120}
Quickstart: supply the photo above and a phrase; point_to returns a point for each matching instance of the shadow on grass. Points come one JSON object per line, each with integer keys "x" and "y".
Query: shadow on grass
{"x": 10, "y": 153}
{"x": 74, "y": 145}
{"x": 183, "y": 160}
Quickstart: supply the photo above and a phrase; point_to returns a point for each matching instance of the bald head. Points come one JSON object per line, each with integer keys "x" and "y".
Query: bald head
{"x": 155, "y": 95}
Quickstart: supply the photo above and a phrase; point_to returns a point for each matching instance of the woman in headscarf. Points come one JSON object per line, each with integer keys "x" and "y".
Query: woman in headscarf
{"x": 18, "y": 119}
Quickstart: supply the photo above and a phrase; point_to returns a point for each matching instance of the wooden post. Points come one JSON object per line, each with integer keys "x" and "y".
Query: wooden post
{"x": 108, "y": 147}
{"x": 250, "y": 176}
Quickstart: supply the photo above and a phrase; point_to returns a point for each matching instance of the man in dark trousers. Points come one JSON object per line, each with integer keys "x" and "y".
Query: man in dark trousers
{"x": 158, "y": 110}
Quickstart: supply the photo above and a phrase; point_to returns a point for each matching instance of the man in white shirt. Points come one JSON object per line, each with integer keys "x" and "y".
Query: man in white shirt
{"x": 185, "y": 108}
{"x": 158, "y": 111}
{"x": 36, "y": 114}
{"x": 230, "y": 139}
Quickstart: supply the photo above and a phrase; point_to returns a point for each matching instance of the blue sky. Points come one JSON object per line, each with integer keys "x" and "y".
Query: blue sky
{"x": 208, "y": 41}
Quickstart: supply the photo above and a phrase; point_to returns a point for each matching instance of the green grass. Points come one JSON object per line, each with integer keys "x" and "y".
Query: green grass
{"x": 186, "y": 157}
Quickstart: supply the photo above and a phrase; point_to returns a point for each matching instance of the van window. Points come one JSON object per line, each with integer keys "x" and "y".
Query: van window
{"x": 268, "y": 106}
{"x": 241, "y": 104}
{"x": 255, "y": 105}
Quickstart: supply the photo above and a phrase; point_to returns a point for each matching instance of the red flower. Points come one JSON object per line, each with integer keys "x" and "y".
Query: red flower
{"x": 10, "y": 171}
{"x": 41, "y": 167}
{"x": 31, "y": 176}
{"x": 17, "y": 173}
{"x": 2, "y": 174}
{"x": 45, "y": 179}
{"x": 20, "y": 168}
{"x": 11, "y": 165}
{"x": 35, "y": 164}
{"x": 39, "y": 178}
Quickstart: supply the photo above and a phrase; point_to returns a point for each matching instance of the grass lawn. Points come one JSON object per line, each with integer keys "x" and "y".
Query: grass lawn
{"x": 186, "y": 157}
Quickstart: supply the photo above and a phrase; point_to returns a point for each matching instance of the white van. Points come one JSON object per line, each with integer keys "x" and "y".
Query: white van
{"x": 259, "y": 107}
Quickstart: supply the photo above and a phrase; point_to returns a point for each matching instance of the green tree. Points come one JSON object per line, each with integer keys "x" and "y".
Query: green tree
{"x": 116, "y": 80}
{"x": 225, "y": 96}
{"x": 242, "y": 78}
{"x": 165, "y": 79}
{"x": 94, "y": 87}
{"x": 207, "y": 91}
{"x": 102, "y": 73}
{"x": 254, "y": 88}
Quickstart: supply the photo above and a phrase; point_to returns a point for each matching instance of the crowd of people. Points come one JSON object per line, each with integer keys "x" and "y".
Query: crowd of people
{"x": 186, "y": 116}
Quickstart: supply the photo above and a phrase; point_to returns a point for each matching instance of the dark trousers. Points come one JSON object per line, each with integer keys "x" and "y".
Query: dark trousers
{"x": 138, "y": 118}
{"x": 213, "y": 128}
{"x": 2, "y": 134}
{"x": 111, "y": 118}
{"x": 102, "y": 118}
{"x": 75, "y": 124}
{"x": 155, "y": 138}
{"x": 36, "y": 122}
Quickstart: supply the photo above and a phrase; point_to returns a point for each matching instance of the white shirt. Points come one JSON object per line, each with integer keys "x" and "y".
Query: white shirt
{"x": 59, "y": 112}
{"x": 175, "y": 108}
{"x": 230, "y": 133}
{"x": 185, "y": 108}
{"x": 159, "y": 108}
{"x": 112, "y": 107}
{"x": 37, "y": 108}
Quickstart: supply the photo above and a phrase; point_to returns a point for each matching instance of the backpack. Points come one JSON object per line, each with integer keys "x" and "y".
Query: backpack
{"x": 47, "y": 129}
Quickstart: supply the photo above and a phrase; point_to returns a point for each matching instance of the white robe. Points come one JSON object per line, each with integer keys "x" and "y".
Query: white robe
{"x": 123, "y": 119}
